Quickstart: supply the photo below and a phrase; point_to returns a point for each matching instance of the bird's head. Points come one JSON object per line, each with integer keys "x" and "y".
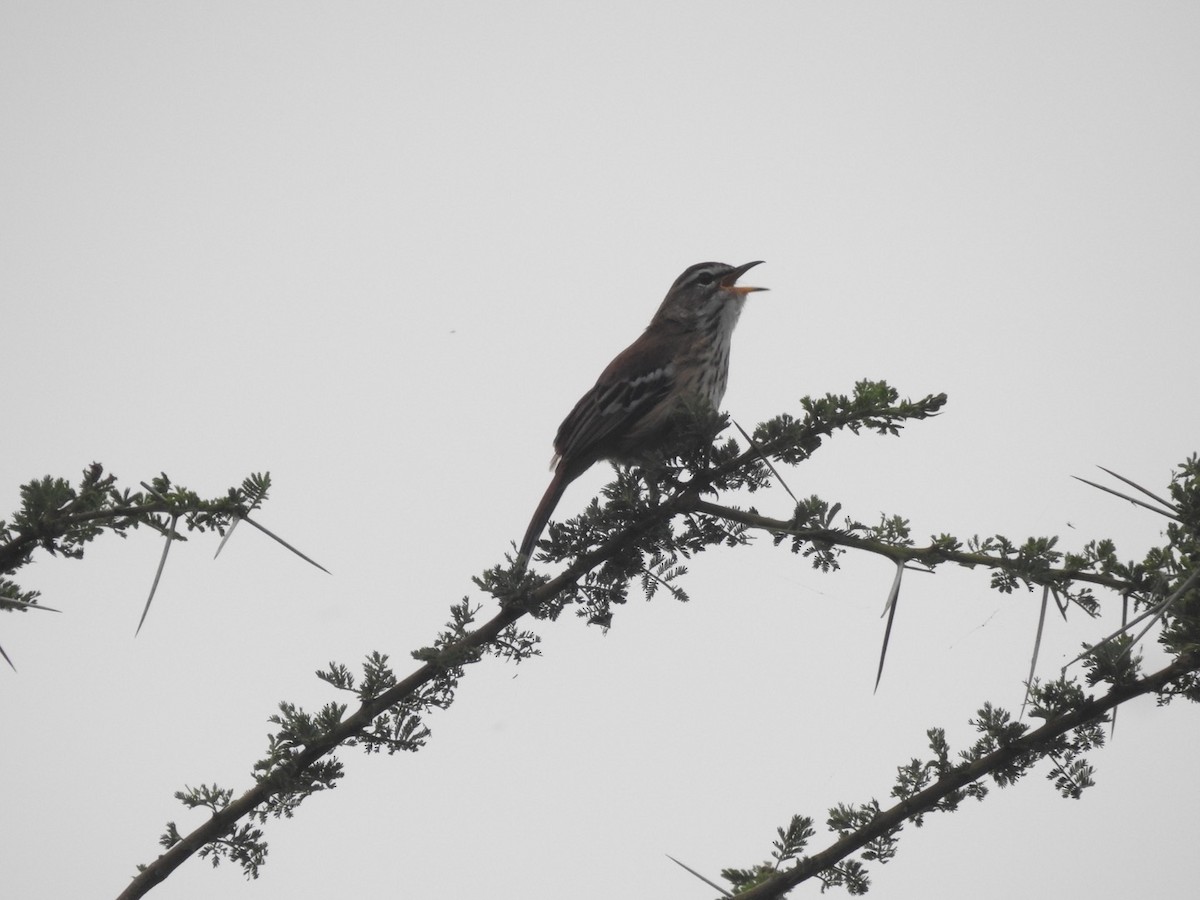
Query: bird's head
{"x": 706, "y": 290}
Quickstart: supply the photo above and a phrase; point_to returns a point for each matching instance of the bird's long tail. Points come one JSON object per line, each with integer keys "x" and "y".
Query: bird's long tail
{"x": 562, "y": 477}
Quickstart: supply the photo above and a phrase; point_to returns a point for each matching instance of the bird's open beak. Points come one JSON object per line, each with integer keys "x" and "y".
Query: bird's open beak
{"x": 729, "y": 282}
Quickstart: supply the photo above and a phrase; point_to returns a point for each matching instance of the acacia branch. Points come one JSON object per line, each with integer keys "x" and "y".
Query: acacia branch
{"x": 1032, "y": 743}
{"x": 930, "y": 556}
{"x": 16, "y": 550}
{"x": 223, "y": 821}
{"x": 283, "y": 782}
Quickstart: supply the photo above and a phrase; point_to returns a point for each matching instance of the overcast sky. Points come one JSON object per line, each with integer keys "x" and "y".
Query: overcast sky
{"x": 380, "y": 250}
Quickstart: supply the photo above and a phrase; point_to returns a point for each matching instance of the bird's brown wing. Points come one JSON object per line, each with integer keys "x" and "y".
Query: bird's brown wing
{"x": 633, "y": 386}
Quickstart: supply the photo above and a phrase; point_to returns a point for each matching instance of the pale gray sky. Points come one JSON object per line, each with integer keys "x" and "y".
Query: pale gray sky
{"x": 380, "y": 250}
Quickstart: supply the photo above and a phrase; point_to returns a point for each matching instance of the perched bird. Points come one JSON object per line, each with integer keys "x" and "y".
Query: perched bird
{"x": 681, "y": 357}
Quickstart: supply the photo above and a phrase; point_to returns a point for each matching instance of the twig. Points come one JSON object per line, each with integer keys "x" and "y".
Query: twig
{"x": 1037, "y": 646}
{"x": 1134, "y": 484}
{"x": 1154, "y": 613}
{"x": 890, "y": 609}
{"x": 711, "y": 884}
{"x": 276, "y": 537}
{"x": 770, "y": 465}
{"x": 1133, "y": 500}
{"x": 228, "y": 535}
{"x": 11, "y": 603}
{"x": 929, "y": 555}
{"x": 162, "y": 561}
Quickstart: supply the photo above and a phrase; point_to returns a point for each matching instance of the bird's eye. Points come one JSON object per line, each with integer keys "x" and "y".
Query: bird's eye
{"x": 705, "y": 278}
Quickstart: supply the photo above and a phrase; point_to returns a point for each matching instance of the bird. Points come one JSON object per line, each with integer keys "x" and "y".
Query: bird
{"x": 682, "y": 357}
